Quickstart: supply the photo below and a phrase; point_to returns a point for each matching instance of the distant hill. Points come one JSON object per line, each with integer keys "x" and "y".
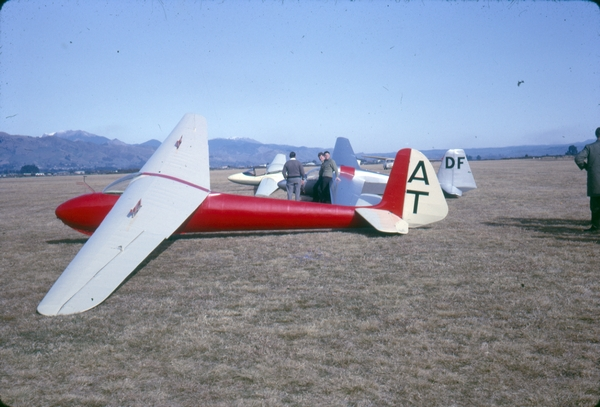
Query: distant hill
{"x": 151, "y": 143}
{"x": 498, "y": 153}
{"x": 50, "y": 153}
{"x": 248, "y": 152}
{"x": 79, "y": 150}
{"x": 80, "y": 135}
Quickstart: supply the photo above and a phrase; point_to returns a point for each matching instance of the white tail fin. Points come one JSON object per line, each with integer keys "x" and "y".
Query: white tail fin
{"x": 343, "y": 154}
{"x": 277, "y": 164}
{"x": 455, "y": 174}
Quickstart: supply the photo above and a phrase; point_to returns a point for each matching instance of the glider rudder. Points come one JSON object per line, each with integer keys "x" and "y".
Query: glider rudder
{"x": 413, "y": 191}
{"x": 455, "y": 174}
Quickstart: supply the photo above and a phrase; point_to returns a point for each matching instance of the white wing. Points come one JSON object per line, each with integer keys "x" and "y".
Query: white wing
{"x": 268, "y": 184}
{"x": 347, "y": 190}
{"x": 172, "y": 184}
{"x": 358, "y": 187}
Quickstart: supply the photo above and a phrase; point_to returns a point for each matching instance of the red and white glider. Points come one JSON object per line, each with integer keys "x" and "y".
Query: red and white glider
{"x": 171, "y": 195}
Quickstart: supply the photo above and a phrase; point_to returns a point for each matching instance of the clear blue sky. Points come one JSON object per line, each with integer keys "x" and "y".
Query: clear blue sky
{"x": 385, "y": 74}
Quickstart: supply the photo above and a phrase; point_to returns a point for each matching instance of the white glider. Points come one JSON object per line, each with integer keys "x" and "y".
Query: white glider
{"x": 266, "y": 183}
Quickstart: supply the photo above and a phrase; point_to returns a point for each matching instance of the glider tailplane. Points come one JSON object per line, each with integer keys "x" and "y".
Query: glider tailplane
{"x": 413, "y": 192}
{"x": 267, "y": 186}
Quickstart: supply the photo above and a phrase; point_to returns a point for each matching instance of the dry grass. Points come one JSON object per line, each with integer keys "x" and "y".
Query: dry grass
{"x": 495, "y": 305}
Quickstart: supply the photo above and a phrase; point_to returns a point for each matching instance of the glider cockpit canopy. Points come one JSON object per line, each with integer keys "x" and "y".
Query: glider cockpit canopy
{"x": 117, "y": 187}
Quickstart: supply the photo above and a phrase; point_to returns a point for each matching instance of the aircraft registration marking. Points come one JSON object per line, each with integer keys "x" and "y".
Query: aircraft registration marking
{"x": 135, "y": 209}
{"x": 420, "y": 167}
{"x": 416, "y": 194}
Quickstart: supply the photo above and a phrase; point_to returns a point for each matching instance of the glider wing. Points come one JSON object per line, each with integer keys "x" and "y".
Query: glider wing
{"x": 348, "y": 189}
{"x": 171, "y": 185}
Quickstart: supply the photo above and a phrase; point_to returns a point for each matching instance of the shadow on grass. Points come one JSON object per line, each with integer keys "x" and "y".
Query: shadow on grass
{"x": 170, "y": 241}
{"x": 209, "y": 235}
{"x": 213, "y": 235}
{"x": 67, "y": 241}
{"x": 560, "y": 229}
{"x": 155, "y": 253}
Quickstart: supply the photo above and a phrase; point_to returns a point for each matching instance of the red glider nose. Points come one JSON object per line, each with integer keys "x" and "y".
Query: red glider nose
{"x": 85, "y": 213}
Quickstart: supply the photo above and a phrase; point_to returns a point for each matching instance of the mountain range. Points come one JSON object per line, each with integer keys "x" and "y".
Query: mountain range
{"x": 79, "y": 150}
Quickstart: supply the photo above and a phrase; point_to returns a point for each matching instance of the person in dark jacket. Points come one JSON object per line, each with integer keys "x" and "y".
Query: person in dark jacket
{"x": 328, "y": 169}
{"x": 589, "y": 159}
{"x": 293, "y": 172}
{"x": 317, "y": 186}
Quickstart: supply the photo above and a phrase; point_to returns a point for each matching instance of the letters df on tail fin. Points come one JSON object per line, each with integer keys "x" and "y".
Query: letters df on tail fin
{"x": 455, "y": 174}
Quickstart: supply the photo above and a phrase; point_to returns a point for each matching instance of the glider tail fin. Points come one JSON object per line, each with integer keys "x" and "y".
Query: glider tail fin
{"x": 455, "y": 174}
{"x": 343, "y": 154}
{"x": 413, "y": 192}
{"x": 277, "y": 164}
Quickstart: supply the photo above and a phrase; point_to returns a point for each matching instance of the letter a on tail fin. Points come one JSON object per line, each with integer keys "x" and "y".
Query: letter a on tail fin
{"x": 413, "y": 192}
{"x": 171, "y": 185}
{"x": 455, "y": 174}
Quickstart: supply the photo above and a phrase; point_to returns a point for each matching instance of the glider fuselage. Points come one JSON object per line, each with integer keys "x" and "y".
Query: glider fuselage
{"x": 222, "y": 212}
{"x": 244, "y": 179}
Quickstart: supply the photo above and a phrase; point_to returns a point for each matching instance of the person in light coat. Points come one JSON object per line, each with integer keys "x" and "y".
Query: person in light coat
{"x": 589, "y": 159}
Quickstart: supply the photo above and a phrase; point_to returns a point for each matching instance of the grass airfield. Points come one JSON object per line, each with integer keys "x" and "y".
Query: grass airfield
{"x": 498, "y": 304}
